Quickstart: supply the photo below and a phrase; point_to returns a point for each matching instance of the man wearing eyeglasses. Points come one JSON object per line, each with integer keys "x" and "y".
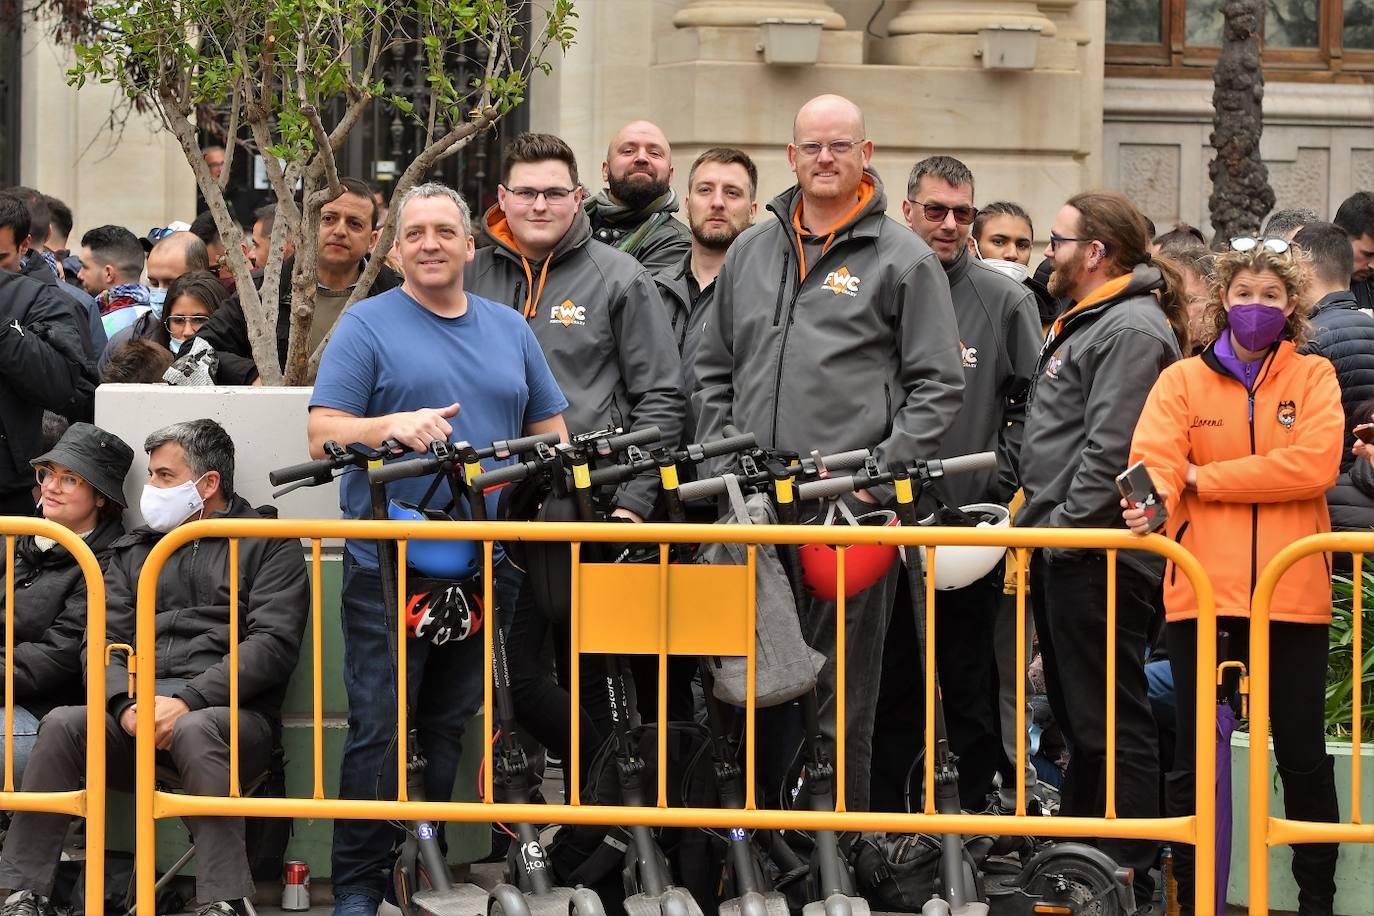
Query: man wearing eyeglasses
{"x": 601, "y": 324}
{"x": 999, "y": 339}
{"x": 634, "y": 213}
{"x": 833, "y": 329}
{"x": 1128, "y": 321}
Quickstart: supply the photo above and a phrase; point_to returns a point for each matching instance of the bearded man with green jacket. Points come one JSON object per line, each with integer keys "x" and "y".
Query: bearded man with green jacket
{"x": 833, "y": 329}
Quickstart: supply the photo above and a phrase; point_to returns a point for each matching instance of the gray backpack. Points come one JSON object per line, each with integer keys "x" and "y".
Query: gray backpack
{"x": 786, "y": 667}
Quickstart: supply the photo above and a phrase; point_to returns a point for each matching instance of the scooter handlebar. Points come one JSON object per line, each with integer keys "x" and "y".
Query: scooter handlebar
{"x": 508, "y": 474}
{"x": 701, "y": 489}
{"x": 508, "y": 447}
{"x": 730, "y": 446}
{"x": 399, "y": 470}
{"x": 846, "y": 461}
{"x": 307, "y": 470}
{"x": 964, "y": 464}
{"x": 649, "y": 436}
{"x": 831, "y": 486}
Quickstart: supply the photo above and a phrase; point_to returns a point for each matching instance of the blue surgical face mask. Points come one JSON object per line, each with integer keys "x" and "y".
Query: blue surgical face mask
{"x": 157, "y": 295}
{"x": 174, "y": 345}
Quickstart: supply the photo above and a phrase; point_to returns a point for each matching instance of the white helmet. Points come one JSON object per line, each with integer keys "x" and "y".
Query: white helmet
{"x": 958, "y": 567}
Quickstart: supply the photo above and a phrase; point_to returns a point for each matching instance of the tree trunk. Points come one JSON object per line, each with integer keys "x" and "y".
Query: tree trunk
{"x": 1241, "y": 195}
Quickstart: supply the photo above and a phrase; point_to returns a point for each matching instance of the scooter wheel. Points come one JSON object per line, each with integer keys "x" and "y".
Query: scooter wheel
{"x": 1079, "y": 884}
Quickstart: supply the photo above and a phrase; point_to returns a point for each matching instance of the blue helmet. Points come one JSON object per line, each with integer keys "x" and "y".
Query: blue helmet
{"x": 436, "y": 559}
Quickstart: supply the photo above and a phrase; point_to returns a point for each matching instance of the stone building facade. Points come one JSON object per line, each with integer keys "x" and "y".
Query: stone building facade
{"x": 1114, "y": 93}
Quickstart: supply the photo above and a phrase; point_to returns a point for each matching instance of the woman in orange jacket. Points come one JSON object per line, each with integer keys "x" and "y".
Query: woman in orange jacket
{"x": 1242, "y": 442}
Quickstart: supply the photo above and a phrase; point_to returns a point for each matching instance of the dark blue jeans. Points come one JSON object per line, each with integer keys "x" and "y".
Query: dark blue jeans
{"x": 445, "y": 687}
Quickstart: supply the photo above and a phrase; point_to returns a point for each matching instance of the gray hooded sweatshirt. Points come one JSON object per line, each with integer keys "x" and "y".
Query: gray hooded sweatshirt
{"x": 598, "y": 318}
{"x": 858, "y": 350}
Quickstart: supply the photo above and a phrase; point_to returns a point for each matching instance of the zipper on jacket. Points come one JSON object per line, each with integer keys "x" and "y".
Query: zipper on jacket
{"x": 887, "y": 399}
{"x": 515, "y": 297}
{"x": 782, "y": 288}
{"x": 1254, "y": 507}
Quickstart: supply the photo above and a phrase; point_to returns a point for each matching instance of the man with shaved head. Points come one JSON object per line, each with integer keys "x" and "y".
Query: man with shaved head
{"x": 634, "y": 213}
{"x": 833, "y": 329}
{"x": 173, "y": 255}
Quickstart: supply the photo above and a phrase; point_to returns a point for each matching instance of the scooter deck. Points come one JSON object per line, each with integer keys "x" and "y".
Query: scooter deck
{"x": 459, "y": 900}
{"x": 837, "y": 905}
{"x": 672, "y": 902}
{"x": 754, "y": 903}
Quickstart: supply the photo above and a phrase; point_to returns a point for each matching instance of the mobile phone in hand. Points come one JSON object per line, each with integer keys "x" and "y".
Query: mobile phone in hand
{"x": 1365, "y": 433}
{"x": 1139, "y": 490}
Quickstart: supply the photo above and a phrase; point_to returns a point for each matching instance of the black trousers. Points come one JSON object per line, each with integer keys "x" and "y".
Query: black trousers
{"x": 965, "y": 660}
{"x": 1069, "y": 598}
{"x": 1297, "y": 662}
{"x": 200, "y": 754}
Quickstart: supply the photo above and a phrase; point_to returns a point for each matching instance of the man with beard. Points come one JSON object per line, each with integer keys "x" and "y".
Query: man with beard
{"x": 634, "y": 214}
{"x": 999, "y": 339}
{"x": 1127, "y": 322}
{"x": 720, "y": 205}
{"x": 1356, "y": 216}
{"x": 831, "y": 329}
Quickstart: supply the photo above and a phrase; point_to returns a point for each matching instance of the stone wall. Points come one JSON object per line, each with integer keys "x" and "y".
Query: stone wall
{"x": 1318, "y": 144}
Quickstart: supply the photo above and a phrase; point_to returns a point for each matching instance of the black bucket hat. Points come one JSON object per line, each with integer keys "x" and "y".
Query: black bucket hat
{"x": 101, "y": 459}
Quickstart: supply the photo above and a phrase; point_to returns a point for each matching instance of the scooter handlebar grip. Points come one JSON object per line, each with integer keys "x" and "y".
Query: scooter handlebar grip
{"x": 399, "y": 470}
{"x": 526, "y": 444}
{"x": 846, "y": 461}
{"x": 649, "y": 435}
{"x": 730, "y": 446}
{"x": 963, "y": 464}
{"x": 508, "y": 474}
{"x": 831, "y": 486}
{"x": 700, "y": 489}
{"x": 303, "y": 471}
{"x": 611, "y": 474}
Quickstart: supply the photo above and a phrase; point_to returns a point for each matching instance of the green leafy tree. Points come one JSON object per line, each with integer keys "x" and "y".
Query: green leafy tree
{"x": 298, "y": 76}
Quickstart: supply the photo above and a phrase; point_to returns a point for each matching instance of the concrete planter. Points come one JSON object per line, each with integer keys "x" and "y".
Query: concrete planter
{"x": 1355, "y": 869}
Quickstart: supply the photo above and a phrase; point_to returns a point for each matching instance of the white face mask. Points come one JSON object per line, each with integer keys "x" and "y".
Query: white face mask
{"x": 1014, "y": 269}
{"x": 164, "y": 508}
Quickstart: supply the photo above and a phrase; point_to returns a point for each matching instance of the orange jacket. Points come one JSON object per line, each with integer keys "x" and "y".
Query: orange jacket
{"x": 1265, "y": 461}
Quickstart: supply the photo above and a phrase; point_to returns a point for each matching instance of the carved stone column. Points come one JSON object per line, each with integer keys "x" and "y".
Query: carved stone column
{"x": 748, "y": 13}
{"x": 961, "y": 17}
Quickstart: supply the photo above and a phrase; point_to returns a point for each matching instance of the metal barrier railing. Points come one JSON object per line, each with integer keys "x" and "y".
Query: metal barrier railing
{"x": 90, "y": 801}
{"x": 1267, "y": 831}
{"x": 642, "y": 619}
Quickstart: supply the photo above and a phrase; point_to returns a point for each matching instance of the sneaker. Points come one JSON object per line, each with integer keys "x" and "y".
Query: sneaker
{"x": 355, "y": 905}
{"x": 27, "y": 903}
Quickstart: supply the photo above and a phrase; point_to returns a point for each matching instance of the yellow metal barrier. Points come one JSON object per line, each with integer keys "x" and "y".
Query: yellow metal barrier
{"x": 1266, "y": 831}
{"x": 656, "y": 610}
{"x": 90, "y": 801}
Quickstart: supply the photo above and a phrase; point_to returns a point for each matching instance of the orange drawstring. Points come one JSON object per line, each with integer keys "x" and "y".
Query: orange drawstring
{"x": 532, "y": 295}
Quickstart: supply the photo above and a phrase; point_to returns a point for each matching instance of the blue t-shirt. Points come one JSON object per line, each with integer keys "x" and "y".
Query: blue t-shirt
{"x": 390, "y": 354}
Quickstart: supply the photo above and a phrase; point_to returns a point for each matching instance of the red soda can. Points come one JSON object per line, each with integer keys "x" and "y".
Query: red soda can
{"x": 295, "y": 886}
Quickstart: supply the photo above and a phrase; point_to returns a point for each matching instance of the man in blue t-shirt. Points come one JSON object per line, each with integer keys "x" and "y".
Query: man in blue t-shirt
{"x": 421, "y": 363}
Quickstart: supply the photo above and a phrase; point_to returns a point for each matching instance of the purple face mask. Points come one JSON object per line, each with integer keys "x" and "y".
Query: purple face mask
{"x": 1256, "y": 326}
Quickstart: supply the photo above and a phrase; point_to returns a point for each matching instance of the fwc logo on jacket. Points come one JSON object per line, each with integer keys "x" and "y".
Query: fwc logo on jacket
{"x": 567, "y": 314}
{"x": 842, "y": 282}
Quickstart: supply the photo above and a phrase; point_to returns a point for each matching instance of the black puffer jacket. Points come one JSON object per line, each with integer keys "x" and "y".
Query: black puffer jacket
{"x": 1351, "y": 500}
{"x": 50, "y": 619}
{"x": 193, "y": 616}
{"x": 1345, "y": 335}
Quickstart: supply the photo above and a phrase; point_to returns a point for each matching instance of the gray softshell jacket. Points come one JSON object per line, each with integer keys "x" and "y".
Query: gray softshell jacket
{"x": 999, "y": 343}
{"x": 1090, "y": 386}
{"x": 862, "y": 350}
{"x": 688, "y": 320}
{"x": 599, "y": 320}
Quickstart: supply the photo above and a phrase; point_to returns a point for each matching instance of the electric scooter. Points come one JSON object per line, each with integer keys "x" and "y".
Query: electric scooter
{"x": 535, "y": 893}
{"x": 422, "y": 880}
{"x": 1070, "y": 878}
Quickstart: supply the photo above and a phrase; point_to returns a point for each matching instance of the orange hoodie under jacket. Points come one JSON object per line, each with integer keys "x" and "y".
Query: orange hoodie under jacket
{"x": 1265, "y": 460}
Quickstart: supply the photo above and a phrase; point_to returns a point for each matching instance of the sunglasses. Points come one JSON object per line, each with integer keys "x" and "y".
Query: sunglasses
{"x": 1247, "y": 243}
{"x": 181, "y": 321}
{"x": 158, "y": 233}
{"x": 936, "y": 213}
